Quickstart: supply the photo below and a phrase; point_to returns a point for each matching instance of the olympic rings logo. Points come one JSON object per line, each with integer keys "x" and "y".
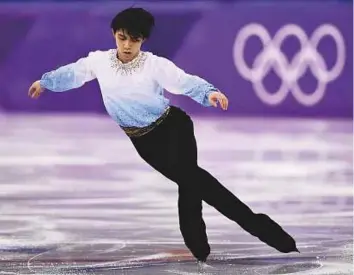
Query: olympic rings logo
{"x": 271, "y": 57}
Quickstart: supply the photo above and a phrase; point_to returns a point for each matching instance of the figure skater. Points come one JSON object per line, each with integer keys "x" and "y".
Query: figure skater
{"x": 132, "y": 82}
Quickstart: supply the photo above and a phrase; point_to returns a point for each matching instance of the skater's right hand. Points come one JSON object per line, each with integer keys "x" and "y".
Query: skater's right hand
{"x": 35, "y": 90}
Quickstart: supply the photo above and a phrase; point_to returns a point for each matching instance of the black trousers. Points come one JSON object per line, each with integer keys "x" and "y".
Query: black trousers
{"x": 171, "y": 149}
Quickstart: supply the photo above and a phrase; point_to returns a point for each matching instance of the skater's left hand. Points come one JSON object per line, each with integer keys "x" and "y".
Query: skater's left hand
{"x": 216, "y": 97}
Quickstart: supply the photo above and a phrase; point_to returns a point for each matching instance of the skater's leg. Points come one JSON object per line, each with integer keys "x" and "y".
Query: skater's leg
{"x": 259, "y": 225}
{"x": 191, "y": 223}
{"x": 182, "y": 158}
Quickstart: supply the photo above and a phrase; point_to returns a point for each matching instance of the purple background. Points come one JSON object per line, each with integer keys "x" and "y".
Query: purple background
{"x": 198, "y": 37}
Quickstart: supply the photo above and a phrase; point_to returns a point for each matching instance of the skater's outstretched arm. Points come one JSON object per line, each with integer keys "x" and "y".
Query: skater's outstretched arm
{"x": 64, "y": 78}
{"x": 177, "y": 81}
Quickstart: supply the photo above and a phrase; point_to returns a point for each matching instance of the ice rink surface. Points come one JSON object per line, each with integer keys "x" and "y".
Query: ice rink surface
{"x": 75, "y": 198}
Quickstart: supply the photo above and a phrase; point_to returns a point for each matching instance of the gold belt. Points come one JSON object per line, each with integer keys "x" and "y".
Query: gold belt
{"x": 140, "y": 131}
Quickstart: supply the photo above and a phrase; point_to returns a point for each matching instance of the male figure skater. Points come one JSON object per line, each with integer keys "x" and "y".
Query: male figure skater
{"x": 132, "y": 83}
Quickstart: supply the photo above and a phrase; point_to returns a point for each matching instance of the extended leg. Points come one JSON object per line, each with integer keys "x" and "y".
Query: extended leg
{"x": 259, "y": 225}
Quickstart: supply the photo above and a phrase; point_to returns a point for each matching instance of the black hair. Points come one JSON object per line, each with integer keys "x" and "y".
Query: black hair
{"x": 137, "y": 22}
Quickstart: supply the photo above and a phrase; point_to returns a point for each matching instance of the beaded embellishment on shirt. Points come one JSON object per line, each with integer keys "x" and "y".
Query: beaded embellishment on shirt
{"x": 127, "y": 68}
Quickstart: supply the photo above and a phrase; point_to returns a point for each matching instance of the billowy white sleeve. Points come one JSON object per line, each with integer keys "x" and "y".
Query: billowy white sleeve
{"x": 70, "y": 76}
{"x": 177, "y": 81}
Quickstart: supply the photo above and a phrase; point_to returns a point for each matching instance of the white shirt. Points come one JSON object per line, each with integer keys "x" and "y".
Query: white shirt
{"x": 133, "y": 93}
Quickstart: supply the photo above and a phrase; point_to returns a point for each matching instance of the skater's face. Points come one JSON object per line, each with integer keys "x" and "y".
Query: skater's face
{"x": 128, "y": 47}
